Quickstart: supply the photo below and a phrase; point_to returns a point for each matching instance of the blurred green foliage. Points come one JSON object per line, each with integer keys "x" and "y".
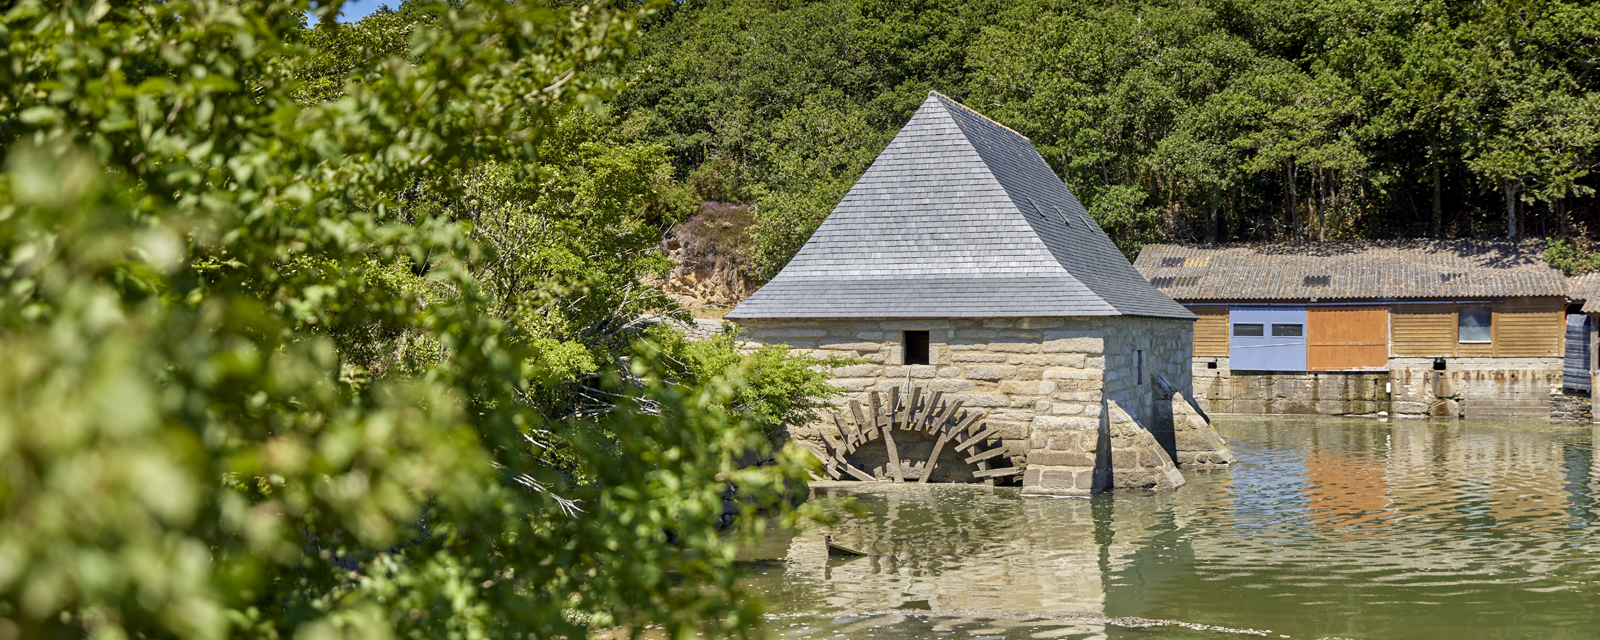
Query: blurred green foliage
{"x": 337, "y": 331}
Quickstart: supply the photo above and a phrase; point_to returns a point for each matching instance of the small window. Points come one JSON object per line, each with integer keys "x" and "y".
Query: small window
{"x": 1288, "y": 330}
{"x": 1472, "y": 324}
{"x": 1138, "y": 367}
{"x": 1318, "y": 281}
{"x": 1247, "y": 330}
{"x": 916, "y": 347}
{"x": 1172, "y": 262}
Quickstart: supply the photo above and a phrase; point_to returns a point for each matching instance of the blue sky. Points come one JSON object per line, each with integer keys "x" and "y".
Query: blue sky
{"x": 357, "y": 9}
{"x": 354, "y": 10}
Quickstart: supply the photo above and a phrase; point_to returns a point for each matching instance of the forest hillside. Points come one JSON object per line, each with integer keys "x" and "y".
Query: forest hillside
{"x": 1172, "y": 120}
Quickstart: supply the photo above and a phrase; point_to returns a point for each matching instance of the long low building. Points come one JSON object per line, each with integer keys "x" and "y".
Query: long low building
{"x": 1471, "y": 328}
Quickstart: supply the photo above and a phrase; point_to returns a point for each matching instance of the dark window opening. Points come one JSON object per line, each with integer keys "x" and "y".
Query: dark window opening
{"x": 1138, "y": 370}
{"x": 1318, "y": 281}
{"x": 1211, "y": 365}
{"x": 1288, "y": 330}
{"x": 1451, "y": 277}
{"x": 916, "y": 347}
{"x": 1438, "y": 364}
{"x": 1248, "y": 330}
{"x": 1172, "y": 262}
{"x": 1162, "y": 282}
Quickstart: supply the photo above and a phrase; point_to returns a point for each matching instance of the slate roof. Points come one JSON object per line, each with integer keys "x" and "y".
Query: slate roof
{"x": 1585, "y": 287}
{"x": 1352, "y": 270}
{"x": 958, "y": 217}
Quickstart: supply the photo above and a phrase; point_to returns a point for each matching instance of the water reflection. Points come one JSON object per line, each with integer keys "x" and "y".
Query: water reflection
{"x": 1348, "y": 528}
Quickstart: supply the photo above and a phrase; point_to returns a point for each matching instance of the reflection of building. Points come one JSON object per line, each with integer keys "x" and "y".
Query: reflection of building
{"x": 1468, "y": 475}
{"x": 958, "y": 550}
{"x": 1408, "y": 523}
{"x": 1348, "y": 495}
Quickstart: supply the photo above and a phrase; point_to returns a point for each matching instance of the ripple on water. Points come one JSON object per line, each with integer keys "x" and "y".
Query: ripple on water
{"x": 1325, "y": 528}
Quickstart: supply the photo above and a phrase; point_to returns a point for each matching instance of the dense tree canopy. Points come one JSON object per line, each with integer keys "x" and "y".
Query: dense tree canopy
{"x": 344, "y": 331}
{"x": 1173, "y": 120}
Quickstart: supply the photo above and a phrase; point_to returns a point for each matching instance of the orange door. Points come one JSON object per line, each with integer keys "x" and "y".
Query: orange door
{"x": 1347, "y": 338}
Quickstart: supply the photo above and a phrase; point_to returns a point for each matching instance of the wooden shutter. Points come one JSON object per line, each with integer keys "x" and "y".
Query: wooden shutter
{"x": 1210, "y": 331}
{"x": 1529, "y": 327}
{"x": 1347, "y": 339}
{"x": 1424, "y": 330}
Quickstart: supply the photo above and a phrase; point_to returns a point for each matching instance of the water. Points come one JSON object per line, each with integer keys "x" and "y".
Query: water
{"x": 1325, "y": 528}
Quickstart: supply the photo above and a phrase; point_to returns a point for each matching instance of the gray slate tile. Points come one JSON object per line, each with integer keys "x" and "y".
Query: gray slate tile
{"x": 947, "y": 222}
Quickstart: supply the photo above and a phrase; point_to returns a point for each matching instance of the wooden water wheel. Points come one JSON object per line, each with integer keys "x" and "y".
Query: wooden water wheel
{"x": 923, "y": 413}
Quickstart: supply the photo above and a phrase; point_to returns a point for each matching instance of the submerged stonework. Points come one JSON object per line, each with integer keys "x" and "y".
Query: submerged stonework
{"x": 1044, "y": 385}
{"x": 1196, "y": 443}
{"x": 1468, "y": 387}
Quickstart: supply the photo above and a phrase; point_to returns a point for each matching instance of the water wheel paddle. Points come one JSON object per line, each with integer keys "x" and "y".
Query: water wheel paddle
{"x": 920, "y": 412}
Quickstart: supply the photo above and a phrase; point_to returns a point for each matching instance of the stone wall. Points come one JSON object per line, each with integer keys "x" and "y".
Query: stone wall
{"x": 1217, "y": 390}
{"x": 1507, "y": 388}
{"x": 1197, "y": 445}
{"x": 1040, "y": 382}
{"x": 1118, "y": 453}
{"x": 1167, "y": 347}
{"x": 1571, "y": 405}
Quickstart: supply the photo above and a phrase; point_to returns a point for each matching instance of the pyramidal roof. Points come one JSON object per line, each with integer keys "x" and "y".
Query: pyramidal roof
{"x": 958, "y": 217}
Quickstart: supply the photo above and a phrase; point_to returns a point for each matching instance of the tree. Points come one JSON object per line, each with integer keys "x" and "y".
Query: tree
{"x": 1173, "y": 120}
{"x": 267, "y": 375}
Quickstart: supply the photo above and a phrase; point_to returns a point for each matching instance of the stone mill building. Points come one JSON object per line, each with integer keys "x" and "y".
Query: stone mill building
{"x": 989, "y": 319}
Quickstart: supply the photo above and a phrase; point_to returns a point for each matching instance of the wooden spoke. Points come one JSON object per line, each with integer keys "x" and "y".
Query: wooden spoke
{"x": 894, "y": 454}
{"x": 995, "y": 473}
{"x": 858, "y": 432}
{"x": 830, "y": 463}
{"x": 974, "y": 440}
{"x": 995, "y": 452}
{"x": 954, "y": 415}
{"x": 902, "y": 416}
{"x": 859, "y": 474}
{"x": 847, "y": 432}
{"x": 959, "y": 428}
{"x": 867, "y": 432}
{"x": 934, "y": 411}
{"x": 911, "y": 409}
{"x": 933, "y": 459}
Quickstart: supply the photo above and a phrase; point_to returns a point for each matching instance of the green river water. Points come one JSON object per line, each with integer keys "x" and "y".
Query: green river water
{"x": 1325, "y": 528}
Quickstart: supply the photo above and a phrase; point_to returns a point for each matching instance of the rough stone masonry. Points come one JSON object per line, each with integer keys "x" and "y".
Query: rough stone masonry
{"x": 1069, "y": 398}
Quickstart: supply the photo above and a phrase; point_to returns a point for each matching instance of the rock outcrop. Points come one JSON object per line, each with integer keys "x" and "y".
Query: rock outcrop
{"x": 709, "y": 253}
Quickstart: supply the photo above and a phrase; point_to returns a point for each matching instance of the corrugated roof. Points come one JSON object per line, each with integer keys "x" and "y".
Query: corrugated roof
{"x": 1356, "y": 270}
{"x": 958, "y": 217}
{"x": 1585, "y": 287}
